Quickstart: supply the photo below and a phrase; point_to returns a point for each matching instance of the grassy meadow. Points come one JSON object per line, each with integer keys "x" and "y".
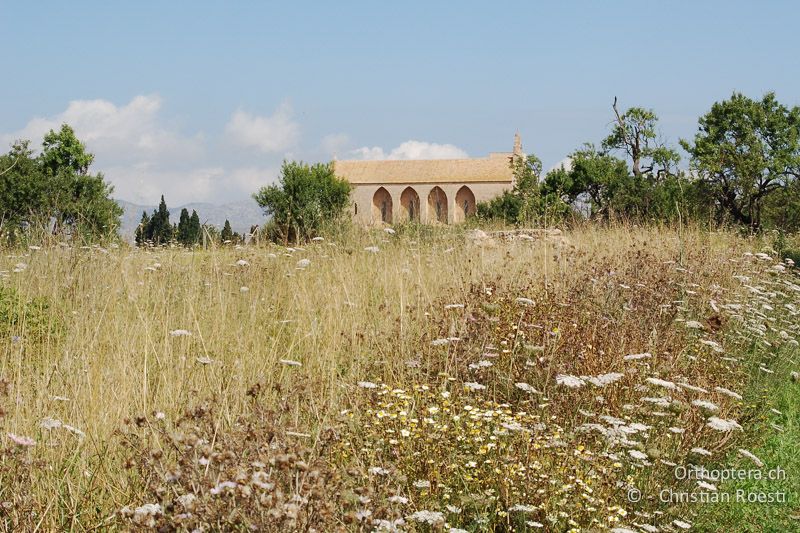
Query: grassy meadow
{"x": 422, "y": 380}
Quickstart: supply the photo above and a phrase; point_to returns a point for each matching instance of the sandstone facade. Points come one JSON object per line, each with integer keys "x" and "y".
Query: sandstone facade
{"x": 428, "y": 191}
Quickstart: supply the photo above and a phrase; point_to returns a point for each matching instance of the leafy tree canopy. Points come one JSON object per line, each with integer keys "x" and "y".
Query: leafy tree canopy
{"x": 55, "y": 189}
{"x": 635, "y": 133}
{"x": 305, "y": 198}
{"x": 747, "y": 150}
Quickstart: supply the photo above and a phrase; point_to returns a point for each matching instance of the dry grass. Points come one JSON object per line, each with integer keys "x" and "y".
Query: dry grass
{"x": 104, "y": 358}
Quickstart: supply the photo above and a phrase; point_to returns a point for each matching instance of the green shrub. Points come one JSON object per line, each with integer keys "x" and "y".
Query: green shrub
{"x": 29, "y": 319}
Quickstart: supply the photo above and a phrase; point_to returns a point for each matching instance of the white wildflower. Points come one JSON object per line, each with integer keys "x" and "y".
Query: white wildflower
{"x": 720, "y": 424}
{"x": 187, "y": 501}
{"x": 145, "y": 514}
{"x": 372, "y": 249}
{"x": 637, "y": 356}
{"x": 261, "y": 480}
{"x": 304, "y": 263}
{"x": 676, "y": 430}
{"x": 636, "y": 454}
{"x": 242, "y": 263}
{"x": 223, "y": 487}
{"x": 367, "y": 385}
{"x": 289, "y": 362}
{"x": 570, "y": 381}
{"x": 524, "y": 508}
{"x": 180, "y": 333}
{"x": 422, "y": 484}
{"x": 744, "y": 453}
{"x": 681, "y": 524}
{"x": 660, "y": 401}
{"x": 75, "y": 431}
{"x": 21, "y": 440}
{"x": 389, "y": 231}
{"x": 389, "y": 526}
{"x": 398, "y": 499}
{"x": 480, "y": 364}
{"x": 705, "y": 404}
{"x": 440, "y": 342}
{"x": 471, "y": 385}
{"x": 454, "y": 306}
{"x": 244, "y": 289}
{"x": 662, "y": 383}
{"x": 204, "y": 360}
{"x": 50, "y": 423}
{"x": 687, "y": 386}
{"x": 525, "y": 387}
{"x": 525, "y": 301}
{"x": 727, "y": 392}
{"x": 693, "y": 324}
{"x": 427, "y": 517}
{"x": 604, "y": 379}
{"x": 378, "y": 471}
{"x": 701, "y": 451}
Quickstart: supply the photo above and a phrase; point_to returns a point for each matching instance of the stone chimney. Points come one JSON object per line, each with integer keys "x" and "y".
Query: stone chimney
{"x": 516, "y": 157}
{"x": 517, "y": 145}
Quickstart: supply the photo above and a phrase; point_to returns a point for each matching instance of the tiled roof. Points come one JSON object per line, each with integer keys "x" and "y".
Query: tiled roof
{"x": 495, "y": 168}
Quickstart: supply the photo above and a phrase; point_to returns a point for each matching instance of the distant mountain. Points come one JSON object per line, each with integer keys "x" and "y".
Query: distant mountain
{"x": 241, "y": 215}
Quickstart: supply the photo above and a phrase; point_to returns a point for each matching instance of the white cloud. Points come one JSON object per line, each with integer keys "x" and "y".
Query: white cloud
{"x": 116, "y": 133}
{"x": 412, "y": 150}
{"x": 267, "y": 134}
{"x": 144, "y": 156}
{"x": 365, "y": 152}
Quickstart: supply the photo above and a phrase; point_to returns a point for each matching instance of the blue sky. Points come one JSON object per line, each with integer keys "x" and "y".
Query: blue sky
{"x": 202, "y": 100}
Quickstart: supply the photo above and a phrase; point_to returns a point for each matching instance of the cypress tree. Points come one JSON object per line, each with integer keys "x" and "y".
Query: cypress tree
{"x": 184, "y": 229}
{"x": 194, "y": 228}
{"x": 144, "y": 230}
{"x": 227, "y": 232}
{"x": 162, "y": 229}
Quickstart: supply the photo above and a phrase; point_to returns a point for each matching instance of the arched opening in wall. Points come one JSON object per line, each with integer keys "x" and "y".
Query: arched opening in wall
{"x": 409, "y": 204}
{"x": 437, "y": 206}
{"x": 465, "y": 204}
{"x": 382, "y": 206}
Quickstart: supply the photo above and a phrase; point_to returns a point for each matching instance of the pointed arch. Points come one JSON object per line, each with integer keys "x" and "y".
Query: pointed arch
{"x": 382, "y": 206}
{"x": 437, "y": 206}
{"x": 409, "y": 205}
{"x": 465, "y": 204}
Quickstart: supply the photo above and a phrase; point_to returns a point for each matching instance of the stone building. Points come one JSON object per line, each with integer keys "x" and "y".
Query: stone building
{"x": 427, "y": 191}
